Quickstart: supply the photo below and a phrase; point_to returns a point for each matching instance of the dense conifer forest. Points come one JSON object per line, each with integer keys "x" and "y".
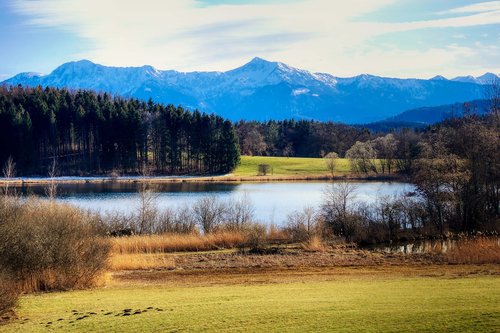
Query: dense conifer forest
{"x": 89, "y": 133}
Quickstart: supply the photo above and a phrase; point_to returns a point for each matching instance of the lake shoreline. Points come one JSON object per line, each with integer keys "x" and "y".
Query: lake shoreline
{"x": 229, "y": 178}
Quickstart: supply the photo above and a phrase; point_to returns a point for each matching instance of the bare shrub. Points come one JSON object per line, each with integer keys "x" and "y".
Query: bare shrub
{"x": 256, "y": 238}
{"x": 180, "y": 221}
{"x": 208, "y": 213}
{"x": 239, "y": 213}
{"x": 302, "y": 225}
{"x": 51, "y": 246}
{"x": 113, "y": 221}
{"x": 264, "y": 169}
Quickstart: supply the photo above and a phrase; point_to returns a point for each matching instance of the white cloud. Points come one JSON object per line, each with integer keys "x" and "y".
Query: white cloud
{"x": 319, "y": 35}
{"x": 477, "y": 8}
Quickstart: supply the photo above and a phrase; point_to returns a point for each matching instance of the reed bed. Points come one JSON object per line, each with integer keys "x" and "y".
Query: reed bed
{"x": 176, "y": 242}
{"x": 479, "y": 250}
{"x": 141, "y": 261}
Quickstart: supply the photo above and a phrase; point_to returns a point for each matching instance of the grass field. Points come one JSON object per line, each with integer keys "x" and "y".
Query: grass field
{"x": 345, "y": 304}
{"x": 284, "y": 166}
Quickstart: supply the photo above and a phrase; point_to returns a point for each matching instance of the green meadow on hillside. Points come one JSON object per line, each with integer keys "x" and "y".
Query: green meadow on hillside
{"x": 289, "y": 166}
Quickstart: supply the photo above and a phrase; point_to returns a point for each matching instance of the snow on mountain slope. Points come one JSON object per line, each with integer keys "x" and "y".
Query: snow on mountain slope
{"x": 263, "y": 89}
{"x": 487, "y": 78}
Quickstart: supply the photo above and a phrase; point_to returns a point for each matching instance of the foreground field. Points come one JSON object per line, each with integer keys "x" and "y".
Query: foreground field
{"x": 425, "y": 299}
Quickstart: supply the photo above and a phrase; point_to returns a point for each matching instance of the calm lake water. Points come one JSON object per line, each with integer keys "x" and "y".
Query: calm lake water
{"x": 272, "y": 201}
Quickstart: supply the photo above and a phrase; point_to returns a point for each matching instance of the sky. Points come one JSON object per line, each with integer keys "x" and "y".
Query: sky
{"x": 394, "y": 38}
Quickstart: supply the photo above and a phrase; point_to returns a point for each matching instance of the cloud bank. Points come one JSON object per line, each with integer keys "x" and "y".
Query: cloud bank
{"x": 319, "y": 35}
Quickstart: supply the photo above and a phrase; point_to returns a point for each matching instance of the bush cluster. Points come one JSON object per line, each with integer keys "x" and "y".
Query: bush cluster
{"x": 50, "y": 246}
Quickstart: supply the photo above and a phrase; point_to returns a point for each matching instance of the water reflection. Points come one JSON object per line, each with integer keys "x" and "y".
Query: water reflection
{"x": 425, "y": 246}
{"x": 272, "y": 201}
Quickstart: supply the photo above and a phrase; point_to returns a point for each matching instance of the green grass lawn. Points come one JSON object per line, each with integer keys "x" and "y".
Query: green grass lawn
{"x": 465, "y": 304}
{"x": 284, "y": 166}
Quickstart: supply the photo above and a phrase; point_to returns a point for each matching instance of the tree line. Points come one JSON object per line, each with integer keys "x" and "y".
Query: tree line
{"x": 89, "y": 133}
{"x": 299, "y": 138}
{"x": 455, "y": 167}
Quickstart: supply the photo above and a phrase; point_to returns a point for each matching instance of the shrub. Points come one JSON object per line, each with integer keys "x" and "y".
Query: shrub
{"x": 302, "y": 225}
{"x": 208, "y": 212}
{"x": 51, "y": 246}
{"x": 8, "y": 293}
{"x": 264, "y": 169}
{"x": 256, "y": 235}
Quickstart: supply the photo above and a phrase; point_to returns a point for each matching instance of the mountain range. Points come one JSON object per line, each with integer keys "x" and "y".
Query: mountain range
{"x": 262, "y": 90}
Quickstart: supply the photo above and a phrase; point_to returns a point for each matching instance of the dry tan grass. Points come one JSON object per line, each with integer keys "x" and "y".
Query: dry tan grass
{"x": 139, "y": 261}
{"x": 274, "y": 233}
{"x": 480, "y": 250}
{"x": 314, "y": 244}
{"x": 176, "y": 242}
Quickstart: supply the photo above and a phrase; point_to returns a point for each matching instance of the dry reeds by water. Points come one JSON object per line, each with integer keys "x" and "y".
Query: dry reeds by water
{"x": 141, "y": 261}
{"x": 176, "y": 242}
{"x": 478, "y": 250}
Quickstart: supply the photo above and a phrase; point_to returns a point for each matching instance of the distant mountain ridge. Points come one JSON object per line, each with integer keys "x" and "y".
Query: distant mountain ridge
{"x": 435, "y": 114}
{"x": 424, "y": 116}
{"x": 262, "y": 90}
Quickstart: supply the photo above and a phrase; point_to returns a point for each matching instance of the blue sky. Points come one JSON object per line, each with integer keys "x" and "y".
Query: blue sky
{"x": 400, "y": 38}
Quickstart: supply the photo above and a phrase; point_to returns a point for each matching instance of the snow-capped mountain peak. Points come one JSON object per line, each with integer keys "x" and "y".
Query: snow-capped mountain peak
{"x": 262, "y": 89}
{"x": 439, "y": 78}
{"x": 487, "y": 78}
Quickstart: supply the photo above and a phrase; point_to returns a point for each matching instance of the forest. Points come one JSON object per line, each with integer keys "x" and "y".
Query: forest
{"x": 84, "y": 133}
{"x": 300, "y": 138}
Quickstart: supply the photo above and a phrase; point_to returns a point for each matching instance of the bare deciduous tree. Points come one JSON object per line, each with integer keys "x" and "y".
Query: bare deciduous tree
{"x": 337, "y": 211}
{"x": 51, "y": 188}
{"x": 253, "y": 143}
{"x": 331, "y": 162}
{"x": 362, "y": 157}
{"x": 386, "y": 150}
{"x": 147, "y": 210}
{"x": 9, "y": 172}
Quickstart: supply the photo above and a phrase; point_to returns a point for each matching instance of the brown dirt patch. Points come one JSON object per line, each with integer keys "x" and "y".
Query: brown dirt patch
{"x": 202, "y": 269}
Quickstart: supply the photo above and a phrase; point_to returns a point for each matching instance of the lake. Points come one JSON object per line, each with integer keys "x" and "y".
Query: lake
{"x": 272, "y": 201}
